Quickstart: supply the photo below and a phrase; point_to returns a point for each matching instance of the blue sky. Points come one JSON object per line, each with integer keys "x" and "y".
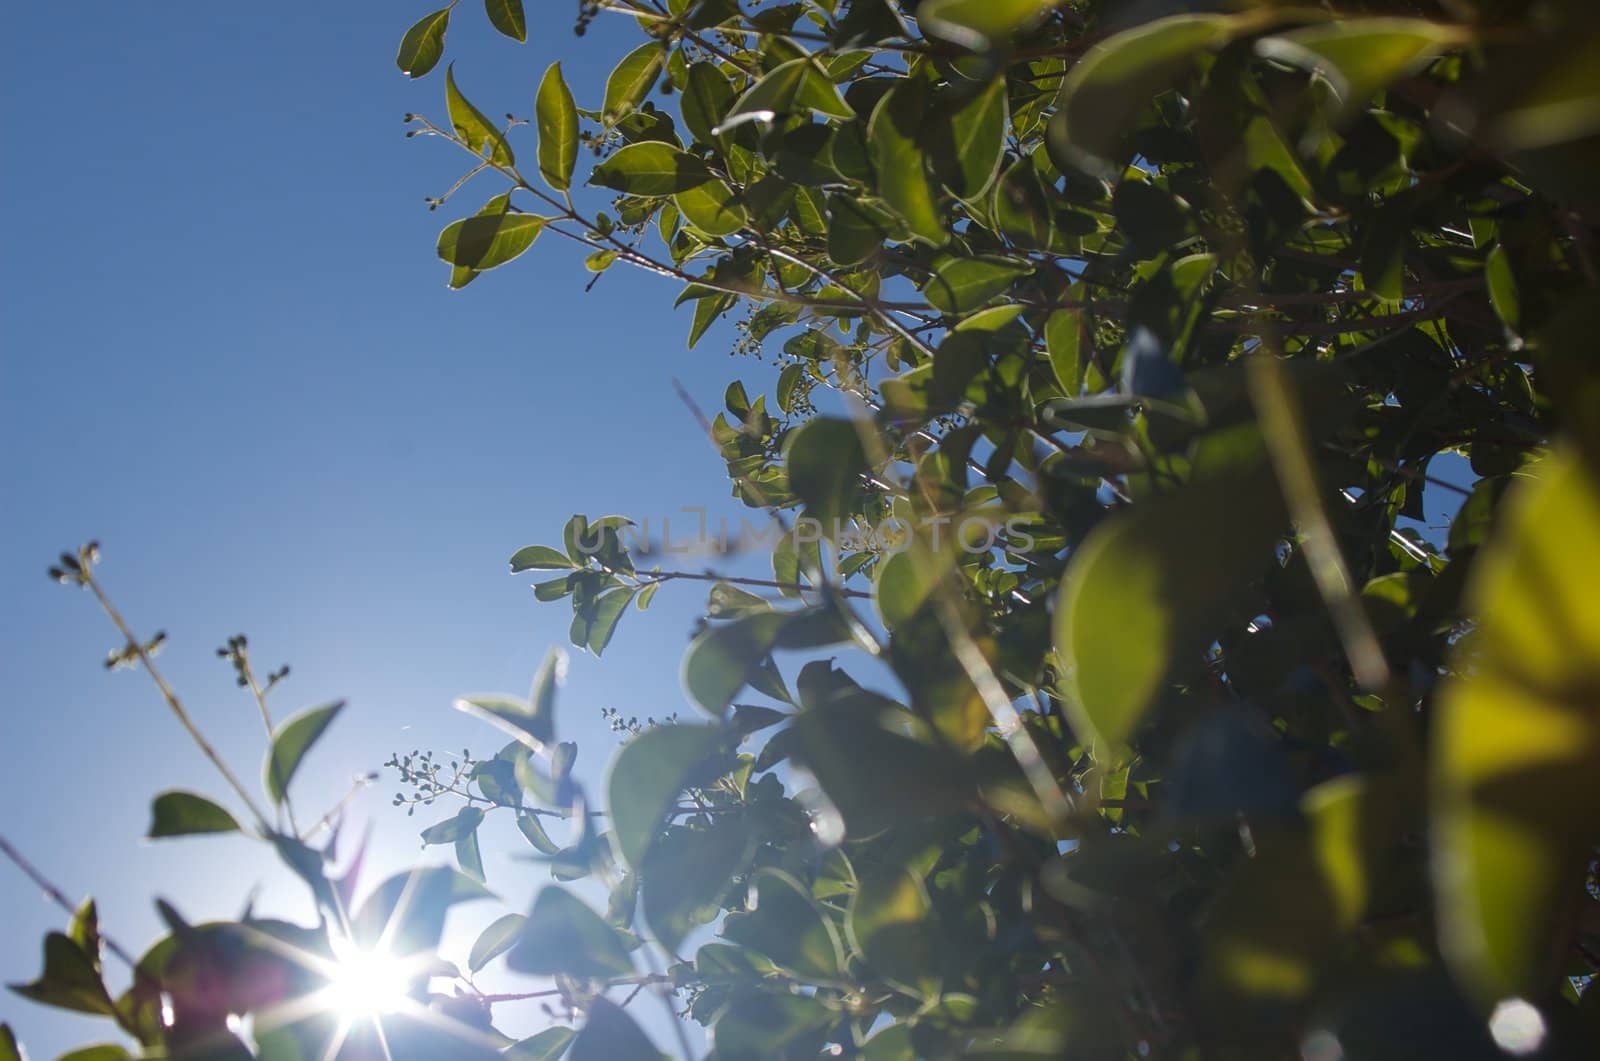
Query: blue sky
{"x": 229, "y": 354}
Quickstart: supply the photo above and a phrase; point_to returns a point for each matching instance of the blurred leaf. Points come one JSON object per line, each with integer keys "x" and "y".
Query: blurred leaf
{"x": 1517, "y": 737}
{"x": 533, "y": 829}
{"x": 185, "y": 814}
{"x": 646, "y": 779}
{"x": 290, "y": 743}
{"x": 688, "y": 871}
{"x": 788, "y": 926}
{"x": 722, "y": 660}
{"x": 69, "y": 980}
{"x": 1146, "y": 589}
{"x": 423, "y": 45}
{"x": 563, "y": 936}
{"x": 465, "y": 822}
{"x": 468, "y": 857}
{"x": 1362, "y": 56}
{"x": 405, "y": 914}
{"x": 825, "y": 460}
{"x": 548, "y": 1045}
{"x": 557, "y": 117}
{"x": 889, "y": 922}
{"x": 1105, "y": 91}
{"x": 533, "y": 721}
{"x": 495, "y": 941}
{"x": 873, "y": 764}
{"x": 982, "y": 25}
{"x": 611, "y": 1035}
{"x": 763, "y": 1023}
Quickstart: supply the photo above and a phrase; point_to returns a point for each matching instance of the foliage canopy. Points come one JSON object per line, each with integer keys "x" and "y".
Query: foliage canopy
{"x": 1125, "y": 352}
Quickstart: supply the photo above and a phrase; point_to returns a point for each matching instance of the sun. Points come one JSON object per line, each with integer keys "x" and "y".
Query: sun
{"x": 363, "y": 984}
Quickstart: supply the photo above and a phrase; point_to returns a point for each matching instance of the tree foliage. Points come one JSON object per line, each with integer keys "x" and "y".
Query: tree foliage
{"x": 1129, "y": 356}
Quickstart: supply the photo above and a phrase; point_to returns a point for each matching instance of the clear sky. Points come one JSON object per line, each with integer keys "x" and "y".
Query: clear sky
{"x": 229, "y": 354}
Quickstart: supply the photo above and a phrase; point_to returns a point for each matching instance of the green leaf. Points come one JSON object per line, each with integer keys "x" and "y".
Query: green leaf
{"x": 495, "y": 941}
{"x": 1362, "y": 56}
{"x": 794, "y": 87}
{"x": 485, "y": 241}
{"x": 1503, "y": 294}
{"x": 982, "y": 25}
{"x": 1383, "y": 253}
{"x": 69, "y": 980}
{"x": 1516, "y": 738}
{"x": 713, "y": 208}
{"x": 541, "y": 558}
{"x": 1145, "y": 589}
{"x": 875, "y": 765}
{"x": 104, "y": 1052}
{"x": 1022, "y": 207}
{"x": 508, "y": 17}
{"x": 611, "y": 1035}
{"x": 1063, "y": 338}
{"x": 423, "y": 45}
{"x": 548, "y": 1045}
{"x": 826, "y": 462}
{"x": 557, "y": 117}
{"x": 646, "y": 779}
{"x": 903, "y": 179}
{"x": 608, "y": 609}
{"x": 687, "y": 872}
{"x": 706, "y": 100}
{"x": 976, "y": 142}
{"x": 476, "y": 131}
{"x": 764, "y": 1023}
{"x": 290, "y": 743}
{"x": 1114, "y": 81}
{"x": 563, "y": 936}
{"x": 465, "y": 822}
{"x": 632, "y": 80}
{"x": 788, "y": 926}
{"x": 961, "y": 284}
{"x": 469, "y": 857}
{"x": 722, "y": 660}
{"x": 856, "y": 229}
{"x": 186, "y": 814}
{"x": 889, "y": 922}
{"x": 10, "y": 1049}
{"x": 405, "y": 914}
{"x": 534, "y": 831}
{"x": 650, "y": 168}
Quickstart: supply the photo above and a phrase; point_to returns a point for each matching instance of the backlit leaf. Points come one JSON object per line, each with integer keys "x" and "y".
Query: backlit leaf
{"x": 423, "y": 45}
{"x": 1517, "y": 739}
{"x": 646, "y": 779}
{"x": 186, "y": 814}
{"x": 291, "y": 741}
{"x": 562, "y": 935}
{"x": 557, "y": 117}
{"x": 469, "y": 123}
